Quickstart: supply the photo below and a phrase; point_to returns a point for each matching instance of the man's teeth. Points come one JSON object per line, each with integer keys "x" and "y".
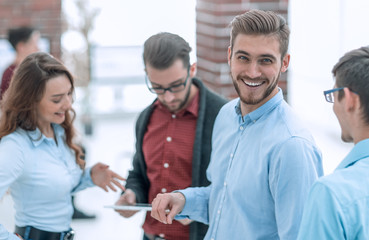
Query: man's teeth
{"x": 253, "y": 84}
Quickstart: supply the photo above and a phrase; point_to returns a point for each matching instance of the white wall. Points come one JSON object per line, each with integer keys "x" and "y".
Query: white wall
{"x": 131, "y": 22}
{"x": 321, "y": 32}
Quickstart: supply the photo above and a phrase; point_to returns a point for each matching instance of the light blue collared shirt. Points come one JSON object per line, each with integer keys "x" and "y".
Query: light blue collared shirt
{"x": 338, "y": 204}
{"x": 262, "y": 167}
{"x": 42, "y": 176}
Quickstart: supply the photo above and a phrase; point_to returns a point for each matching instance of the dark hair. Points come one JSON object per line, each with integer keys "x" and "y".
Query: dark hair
{"x": 352, "y": 71}
{"x": 26, "y": 91}
{"x": 162, "y": 49}
{"x": 258, "y": 22}
{"x": 21, "y": 34}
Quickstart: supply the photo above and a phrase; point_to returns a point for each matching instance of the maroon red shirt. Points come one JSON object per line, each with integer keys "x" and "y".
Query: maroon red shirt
{"x": 167, "y": 147}
{"x": 5, "y": 81}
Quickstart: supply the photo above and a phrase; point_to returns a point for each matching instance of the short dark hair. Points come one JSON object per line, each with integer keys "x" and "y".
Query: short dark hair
{"x": 163, "y": 49}
{"x": 258, "y": 22}
{"x": 352, "y": 71}
{"x": 20, "y": 34}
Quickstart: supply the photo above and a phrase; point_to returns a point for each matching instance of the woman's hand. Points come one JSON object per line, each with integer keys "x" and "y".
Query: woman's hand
{"x": 105, "y": 178}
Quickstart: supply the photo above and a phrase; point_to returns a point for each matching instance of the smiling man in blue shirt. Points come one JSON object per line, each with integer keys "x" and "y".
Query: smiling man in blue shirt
{"x": 263, "y": 161}
{"x": 338, "y": 204}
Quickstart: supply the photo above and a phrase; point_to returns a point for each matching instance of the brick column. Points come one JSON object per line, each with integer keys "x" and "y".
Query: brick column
{"x": 45, "y": 15}
{"x": 212, "y": 39}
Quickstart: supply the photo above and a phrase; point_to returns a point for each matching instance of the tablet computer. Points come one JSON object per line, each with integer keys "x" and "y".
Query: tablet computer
{"x": 136, "y": 207}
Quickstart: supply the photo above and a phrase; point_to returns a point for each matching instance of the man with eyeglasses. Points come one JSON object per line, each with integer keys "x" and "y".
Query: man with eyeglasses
{"x": 173, "y": 135}
{"x": 338, "y": 204}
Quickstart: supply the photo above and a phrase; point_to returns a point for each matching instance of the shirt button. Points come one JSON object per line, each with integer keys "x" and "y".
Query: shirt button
{"x": 163, "y": 190}
{"x": 162, "y": 235}
{"x": 173, "y": 116}
{"x": 169, "y": 139}
{"x": 218, "y": 211}
{"x": 225, "y": 184}
{"x": 166, "y": 165}
{"x": 241, "y": 128}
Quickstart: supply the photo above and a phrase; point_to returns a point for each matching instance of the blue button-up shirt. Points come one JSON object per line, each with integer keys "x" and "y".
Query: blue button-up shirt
{"x": 262, "y": 167}
{"x": 41, "y": 175}
{"x": 338, "y": 204}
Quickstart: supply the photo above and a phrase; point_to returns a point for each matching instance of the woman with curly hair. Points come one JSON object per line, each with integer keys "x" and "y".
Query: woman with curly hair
{"x": 39, "y": 160}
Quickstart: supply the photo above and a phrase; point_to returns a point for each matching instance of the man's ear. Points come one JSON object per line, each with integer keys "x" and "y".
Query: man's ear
{"x": 352, "y": 100}
{"x": 193, "y": 70}
{"x": 20, "y": 47}
{"x": 285, "y": 62}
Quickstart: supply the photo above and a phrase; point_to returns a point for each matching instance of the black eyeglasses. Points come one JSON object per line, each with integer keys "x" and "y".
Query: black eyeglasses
{"x": 173, "y": 89}
{"x": 329, "y": 97}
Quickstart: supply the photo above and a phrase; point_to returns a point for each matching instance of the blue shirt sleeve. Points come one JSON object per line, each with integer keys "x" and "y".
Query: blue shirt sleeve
{"x": 86, "y": 181}
{"x": 322, "y": 218}
{"x": 196, "y": 206}
{"x": 292, "y": 173}
{"x": 11, "y": 162}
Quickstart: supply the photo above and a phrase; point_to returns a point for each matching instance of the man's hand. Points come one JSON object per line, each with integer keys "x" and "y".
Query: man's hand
{"x": 185, "y": 221}
{"x": 128, "y": 198}
{"x": 105, "y": 178}
{"x": 166, "y": 206}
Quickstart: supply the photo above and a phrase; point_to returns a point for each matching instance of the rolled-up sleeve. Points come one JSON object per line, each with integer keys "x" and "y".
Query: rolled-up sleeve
{"x": 86, "y": 181}
{"x": 197, "y": 204}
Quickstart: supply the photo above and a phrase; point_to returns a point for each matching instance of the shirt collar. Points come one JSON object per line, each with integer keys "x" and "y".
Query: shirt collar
{"x": 359, "y": 151}
{"x": 265, "y": 108}
{"x": 37, "y": 137}
{"x": 192, "y": 107}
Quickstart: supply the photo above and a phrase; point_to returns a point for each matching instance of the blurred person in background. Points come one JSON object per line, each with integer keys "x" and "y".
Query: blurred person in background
{"x": 25, "y": 41}
{"x": 39, "y": 161}
{"x": 338, "y": 204}
{"x": 264, "y": 160}
{"x": 173, "y": 134}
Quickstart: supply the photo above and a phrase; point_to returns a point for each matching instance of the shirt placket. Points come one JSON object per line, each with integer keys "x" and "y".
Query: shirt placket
{"x": 63, "y": 158}
{"x": 220, "y": 206}
{"x": 168, "y": 157}
{"x": 55, "y": 148}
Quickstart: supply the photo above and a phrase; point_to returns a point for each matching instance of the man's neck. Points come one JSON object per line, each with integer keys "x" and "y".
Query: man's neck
{"x": 361, "y": 133}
